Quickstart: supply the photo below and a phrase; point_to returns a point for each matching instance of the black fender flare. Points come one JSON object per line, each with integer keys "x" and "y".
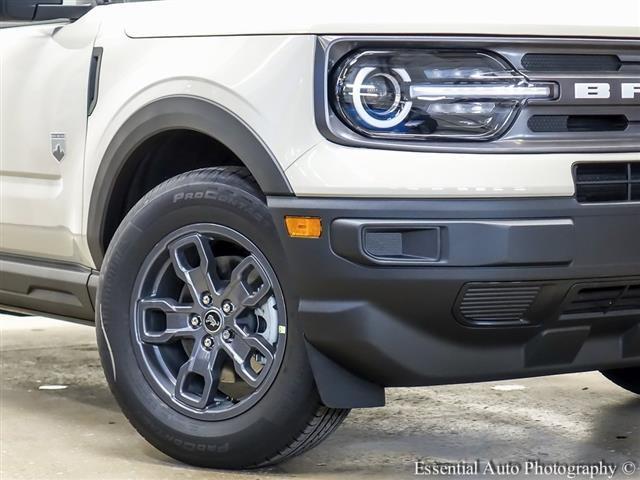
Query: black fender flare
{"x": 169, "y": 113}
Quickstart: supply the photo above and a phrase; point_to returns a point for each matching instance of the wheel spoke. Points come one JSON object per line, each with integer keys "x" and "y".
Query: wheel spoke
{"x": 173, "y": 321}
{"x": 240, "y": 292}
{"x": 197, "y": 380}
{"x": 241, "y": 348}
{"x": 199, "y": 278}
{"x": 225, "y": 265}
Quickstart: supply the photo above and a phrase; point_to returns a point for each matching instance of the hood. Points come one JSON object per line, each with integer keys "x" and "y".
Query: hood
{"x": 576, "y": 18}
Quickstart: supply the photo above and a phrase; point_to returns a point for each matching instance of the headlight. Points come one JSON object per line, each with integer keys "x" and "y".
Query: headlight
{"x": 430, "y": 94}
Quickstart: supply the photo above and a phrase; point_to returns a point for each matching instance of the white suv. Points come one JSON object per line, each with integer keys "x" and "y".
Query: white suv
{"x": 274, "y": 211}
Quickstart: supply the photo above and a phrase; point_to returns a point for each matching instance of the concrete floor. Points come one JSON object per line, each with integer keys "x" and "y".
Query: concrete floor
{"x": 79, "y": 433}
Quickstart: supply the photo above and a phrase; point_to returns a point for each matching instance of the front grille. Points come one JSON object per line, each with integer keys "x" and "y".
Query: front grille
{"x": 603, "y": 301}
{"x": 610, "y": 122}
{"x": 496, "y": 304}
{"x": 607, "y": 182}
{"x": 551, "y": 62}
{"x": 578, "y": 123}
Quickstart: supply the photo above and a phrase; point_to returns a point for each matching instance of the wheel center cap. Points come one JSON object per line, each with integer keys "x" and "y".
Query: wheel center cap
{"x": 212, "y": 322}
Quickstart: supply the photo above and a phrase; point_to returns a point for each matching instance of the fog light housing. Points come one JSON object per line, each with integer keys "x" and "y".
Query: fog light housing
{"x": 430, "y": 94}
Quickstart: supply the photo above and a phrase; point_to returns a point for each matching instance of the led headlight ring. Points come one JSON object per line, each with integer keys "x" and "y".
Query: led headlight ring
{"x": 401, "y": 108}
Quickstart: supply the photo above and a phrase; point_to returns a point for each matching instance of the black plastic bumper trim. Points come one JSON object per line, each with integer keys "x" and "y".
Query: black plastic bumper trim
{"x": 456, "y": 242}
{"x": 397, "y": 325}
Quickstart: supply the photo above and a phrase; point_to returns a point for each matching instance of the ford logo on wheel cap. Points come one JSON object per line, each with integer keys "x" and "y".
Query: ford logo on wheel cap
{"x": 212, "y": 321}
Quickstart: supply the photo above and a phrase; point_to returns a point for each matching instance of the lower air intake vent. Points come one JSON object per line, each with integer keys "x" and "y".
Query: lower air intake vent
{"x": 607, "y": 182}
{"x": 602, "y": 301}
{"x": 496, "y": 304}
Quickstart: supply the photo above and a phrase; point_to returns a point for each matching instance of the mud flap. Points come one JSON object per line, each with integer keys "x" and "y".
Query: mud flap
{"x": 340, "y": 388}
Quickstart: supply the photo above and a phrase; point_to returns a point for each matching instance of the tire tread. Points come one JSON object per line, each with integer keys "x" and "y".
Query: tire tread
{"x": 325, "y": 421}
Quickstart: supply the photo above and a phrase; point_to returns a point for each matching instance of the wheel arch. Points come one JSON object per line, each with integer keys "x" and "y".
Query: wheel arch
{"x": 176, "y": 113}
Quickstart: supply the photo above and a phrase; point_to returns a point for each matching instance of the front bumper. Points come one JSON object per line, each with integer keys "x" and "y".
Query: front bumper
{"x": 425, "y": 292}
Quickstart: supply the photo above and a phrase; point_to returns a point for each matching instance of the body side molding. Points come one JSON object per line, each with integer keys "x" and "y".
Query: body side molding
{"x": 45, "y": 287}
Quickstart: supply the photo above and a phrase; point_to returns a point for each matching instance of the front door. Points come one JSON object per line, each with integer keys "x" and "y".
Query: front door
{"x": 44, "y": 80}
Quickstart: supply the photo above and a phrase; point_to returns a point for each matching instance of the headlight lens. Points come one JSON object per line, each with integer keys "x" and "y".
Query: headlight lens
{"x": 424, "y": 94}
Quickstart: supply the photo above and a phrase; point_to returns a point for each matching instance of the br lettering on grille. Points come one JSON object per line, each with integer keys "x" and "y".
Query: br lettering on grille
{"x": 627, "y": 91}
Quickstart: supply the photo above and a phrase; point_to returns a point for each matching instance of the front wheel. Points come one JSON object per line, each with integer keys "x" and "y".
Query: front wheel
{"x": 627, "y": 378}
{"x": 194, "y": 332}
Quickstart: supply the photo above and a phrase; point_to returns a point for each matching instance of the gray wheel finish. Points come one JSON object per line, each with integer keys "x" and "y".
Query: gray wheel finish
{"x": 209, "y": 326}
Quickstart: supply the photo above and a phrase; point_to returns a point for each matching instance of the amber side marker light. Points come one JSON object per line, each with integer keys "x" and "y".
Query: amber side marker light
{"x": 303, "y": 227}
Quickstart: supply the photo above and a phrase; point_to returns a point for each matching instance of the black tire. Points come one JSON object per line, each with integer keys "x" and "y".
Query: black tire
{"x": 289, "y": 417}
{"x": 627, "y": 378}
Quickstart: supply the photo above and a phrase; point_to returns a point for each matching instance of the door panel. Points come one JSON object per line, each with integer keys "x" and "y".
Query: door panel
{"x": 44, "y": 71}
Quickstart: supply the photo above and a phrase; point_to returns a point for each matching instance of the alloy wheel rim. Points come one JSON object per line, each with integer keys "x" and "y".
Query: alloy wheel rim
{"x": 209, "y": 325}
